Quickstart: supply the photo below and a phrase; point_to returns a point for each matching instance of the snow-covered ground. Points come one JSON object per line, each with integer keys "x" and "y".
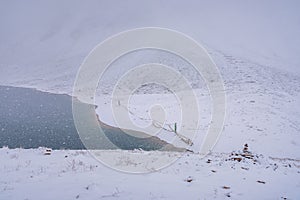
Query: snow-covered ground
{"x": 74, "y": 174}
{"x": 256, "y": 47}
{"x": 261, "y": 107}
{"x": 53, "y": 37}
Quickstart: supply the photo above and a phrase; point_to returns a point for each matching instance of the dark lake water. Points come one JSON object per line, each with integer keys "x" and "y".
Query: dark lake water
{"x": 31, "y": 119}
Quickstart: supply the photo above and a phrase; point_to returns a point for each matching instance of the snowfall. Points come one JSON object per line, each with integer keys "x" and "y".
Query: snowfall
{"x": 255, "y": 45}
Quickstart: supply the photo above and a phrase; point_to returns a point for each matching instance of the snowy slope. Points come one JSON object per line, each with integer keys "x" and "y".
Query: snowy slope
{"x": 261, "y": 104}
{"x": 256, "y": 47}
{"x": 29, "y": 174}
{"x": 53, "y": 37}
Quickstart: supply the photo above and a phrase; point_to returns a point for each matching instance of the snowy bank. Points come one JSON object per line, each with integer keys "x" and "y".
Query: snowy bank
{"x": 74, "y": 174}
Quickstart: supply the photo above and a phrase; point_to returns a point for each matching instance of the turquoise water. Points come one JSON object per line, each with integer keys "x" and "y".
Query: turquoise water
{"x": 30, "y": 119}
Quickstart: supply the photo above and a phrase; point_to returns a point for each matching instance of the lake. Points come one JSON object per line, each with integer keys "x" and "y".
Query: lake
{"x": 30, "y": 119}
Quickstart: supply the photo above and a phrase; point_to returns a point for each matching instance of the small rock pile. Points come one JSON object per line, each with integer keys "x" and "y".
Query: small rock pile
{"x": 243, "y": 155}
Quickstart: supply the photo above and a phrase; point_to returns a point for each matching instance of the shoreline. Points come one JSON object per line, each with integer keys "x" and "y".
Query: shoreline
{"x": 44, "y": 109}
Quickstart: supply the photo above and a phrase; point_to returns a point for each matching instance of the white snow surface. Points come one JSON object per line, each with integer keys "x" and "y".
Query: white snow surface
{"x": 255, "y": 45}
{"x": 53, "y": 37}
{"x": 74, "y": 174}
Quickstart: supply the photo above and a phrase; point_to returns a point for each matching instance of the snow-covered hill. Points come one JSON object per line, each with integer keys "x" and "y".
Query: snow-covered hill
{"x": 254, "y": 44}
{"x": 53, "y": 37}
{"x": 261, "y": 102}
